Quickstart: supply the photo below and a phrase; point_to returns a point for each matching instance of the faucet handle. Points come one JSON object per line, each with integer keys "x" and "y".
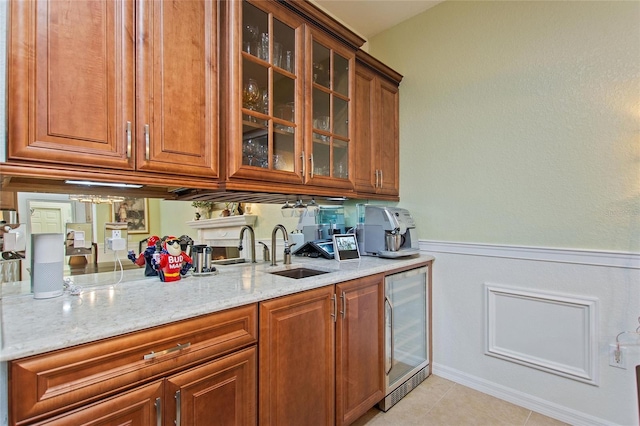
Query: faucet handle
{"x": 287, "y": 247}
{"x": 265, "y": 252}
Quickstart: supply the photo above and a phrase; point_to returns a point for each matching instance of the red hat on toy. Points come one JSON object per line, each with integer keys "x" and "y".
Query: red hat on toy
{"x": 151, "y": 241}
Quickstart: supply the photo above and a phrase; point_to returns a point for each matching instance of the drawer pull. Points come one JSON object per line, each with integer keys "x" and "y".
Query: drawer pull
{"x": 178, "y": 347}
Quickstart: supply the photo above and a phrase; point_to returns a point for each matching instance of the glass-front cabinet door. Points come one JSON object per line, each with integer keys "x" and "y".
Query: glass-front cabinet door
{"x": 267, "y": 90}
{"x": 330, "y": 68}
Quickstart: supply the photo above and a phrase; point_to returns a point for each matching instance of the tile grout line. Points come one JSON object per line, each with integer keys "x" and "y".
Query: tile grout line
{"x": 441, "y": 398}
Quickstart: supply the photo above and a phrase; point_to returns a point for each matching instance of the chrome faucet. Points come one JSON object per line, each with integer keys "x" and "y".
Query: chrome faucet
{"x": 252, "y": 237}
{"x": 287, "y": 250}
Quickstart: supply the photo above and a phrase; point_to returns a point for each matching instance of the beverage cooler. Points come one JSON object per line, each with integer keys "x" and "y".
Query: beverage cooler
{"x": 407, "y": 361}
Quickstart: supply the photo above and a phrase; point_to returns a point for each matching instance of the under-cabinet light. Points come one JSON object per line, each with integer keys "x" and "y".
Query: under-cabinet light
{"x": 112, "y": 185}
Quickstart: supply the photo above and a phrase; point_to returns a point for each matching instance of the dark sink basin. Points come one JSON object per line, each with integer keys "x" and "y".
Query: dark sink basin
{"x": 299, "y": 273}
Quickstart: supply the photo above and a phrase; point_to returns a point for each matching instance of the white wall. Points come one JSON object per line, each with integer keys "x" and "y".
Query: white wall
{"x": 520, "y": 139}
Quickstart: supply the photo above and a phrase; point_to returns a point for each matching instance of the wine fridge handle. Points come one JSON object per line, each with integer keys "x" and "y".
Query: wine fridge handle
{"x": 389, "y": 366}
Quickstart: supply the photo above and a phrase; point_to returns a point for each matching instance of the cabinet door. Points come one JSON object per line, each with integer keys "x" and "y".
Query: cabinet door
{"x": 71, "y": 82}
{"x": 222, "y": 392}
{"x": 330, "y": 71}
{"x": 142, "y": 406}
{"x": 366, "y": 169}
{"x": 388, "y": 138}
{"x": 297, "y": 375}
{"x": 376, "y": 134}
{"x": 177, "y": 91}
{"x": 264, "y": 92}
{"x": 359, "y": 347}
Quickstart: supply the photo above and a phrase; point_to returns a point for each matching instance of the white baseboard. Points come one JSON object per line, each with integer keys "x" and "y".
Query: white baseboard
{"x": 545, "y": 254}
{"x": 521, "y": 399}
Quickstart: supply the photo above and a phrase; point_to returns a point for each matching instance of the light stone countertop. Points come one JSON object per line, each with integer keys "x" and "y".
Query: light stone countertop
{"x": 106, "y": 309}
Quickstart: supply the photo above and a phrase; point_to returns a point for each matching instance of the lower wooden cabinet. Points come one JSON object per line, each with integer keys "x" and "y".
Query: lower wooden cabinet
{"x": 222, "y": 392}
{"x": 359, "y": 347}
{"x": 321, "y": 354}
{"x": 194, "y": 354}
{"x": 142, "y": 406}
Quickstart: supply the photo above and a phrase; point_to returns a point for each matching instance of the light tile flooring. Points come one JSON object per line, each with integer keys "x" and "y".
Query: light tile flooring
{"x": 440, "y": 402}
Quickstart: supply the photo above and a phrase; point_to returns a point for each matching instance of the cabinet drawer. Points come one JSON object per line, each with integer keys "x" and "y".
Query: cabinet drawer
{"x": 50, "y": 383}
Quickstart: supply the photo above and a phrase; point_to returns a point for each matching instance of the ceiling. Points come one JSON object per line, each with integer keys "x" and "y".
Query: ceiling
{"x": 370, "y": 17}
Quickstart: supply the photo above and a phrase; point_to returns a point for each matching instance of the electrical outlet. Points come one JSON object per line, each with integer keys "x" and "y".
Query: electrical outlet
{"x": 116, "y": 233}
{"x": 618, "y": 358}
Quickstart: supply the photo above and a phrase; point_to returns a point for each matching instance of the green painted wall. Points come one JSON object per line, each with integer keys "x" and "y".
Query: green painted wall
{"x": 520, "y": 122}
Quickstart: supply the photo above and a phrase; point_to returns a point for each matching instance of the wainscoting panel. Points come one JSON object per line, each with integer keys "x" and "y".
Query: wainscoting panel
{"x": 551, "y": 332}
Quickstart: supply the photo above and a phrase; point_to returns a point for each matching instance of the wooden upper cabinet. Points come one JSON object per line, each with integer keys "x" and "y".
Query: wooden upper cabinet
{"x": 377, "y": 130}
{"x": 388, "y": 149}
{"x": 263, "y": 91}
{"x": 117, "y": 84}
{"x": 177, "y": 89}
{"x": 330, "y": 73}
{"x": 71, "y": 82}
{"x": 366, "y": 168}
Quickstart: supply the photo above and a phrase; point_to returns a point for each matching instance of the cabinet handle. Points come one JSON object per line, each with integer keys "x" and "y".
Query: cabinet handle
{"x": 381, "y": 179}
{"x": 334, "y": 299}
{"x": 390, "y": 364}
{"x": 128, "y": 139}
{"x": 304, "y": 165}
{"x": 178, "y": 347}
{"x": 344, "y": 304}
{"x": 376, "y": 185}
{"x": 146, "y": 141}
{"x": 158, "y": 405}
{"x": 178, "y": 414}
{"x": 312, "y": 166}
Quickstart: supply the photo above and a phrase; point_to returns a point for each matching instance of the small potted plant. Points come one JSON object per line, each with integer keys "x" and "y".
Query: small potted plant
{"x": 205, "y": 208}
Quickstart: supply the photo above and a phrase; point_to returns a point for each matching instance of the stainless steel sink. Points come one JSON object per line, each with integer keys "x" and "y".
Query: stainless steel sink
{"x": 298, "y": 273}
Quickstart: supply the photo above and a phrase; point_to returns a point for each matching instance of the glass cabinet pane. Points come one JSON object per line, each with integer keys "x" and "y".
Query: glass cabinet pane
{"x": 321, "y": 106}
{"x": 321, "y": 155}
{"x": 321, "y": 65}
{"x": 284, "y": 46}
{"x": 340, "y": 117}
{"x": 255, "y": 23}
{"x": 255, "y": 142}
{"x": 340, "y": 159}
{"x": 341, "y": 75}
{"x": 255, "y": 87}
